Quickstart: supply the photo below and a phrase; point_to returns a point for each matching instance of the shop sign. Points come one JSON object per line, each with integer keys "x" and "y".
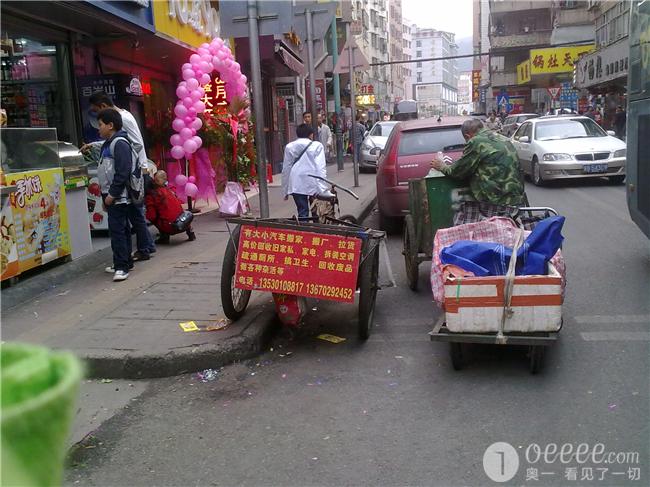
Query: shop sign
{"x": 299, "y": 263}
{"x": 568, "y": 96}
{"x": 137, "y": 12}
{"x": 523, "y": 72}
{"x": 556, "y": 59}
{"x": 476, "y": 81}
{"x": 321, "y": 95}
{"x": 39, "y": 217}
{"x": 367, "y": 90}
{"x": 605, "y": 65}
{"x": 215, "y": 97}
{"x": 190, "y": 21}
{"x": 366, "y": 100}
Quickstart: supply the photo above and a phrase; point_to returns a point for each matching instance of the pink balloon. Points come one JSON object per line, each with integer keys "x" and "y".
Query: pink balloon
{"x": 196, "y": 124}
{"x": 205, "y": 45}
{"x": 206, "y": 58}
{"x": 177, "y": 152}
{"x": 195, "y": 59}
{"x": 216, "y": 61}
{"x": 192, "y": 84}
{"x": 186, "y": 134}
{"x": 181, "y": 92}
{"x": 189, "y": 120}
{"x": 175, "y": 139}
{"x": 205, "y": 79}
{"x": 199, "y": 106}
{"x": 198, "y": 141}
{"x": 191, "y": 112}
{"x": 193, "y": 132}
{"x": 186, "y": 66}
{"x": 217, "y": 42}
{"x": 191, "y": 190}
{"x": 244, "y": 79}
{"x": 188, "y": 74}
{"x": 198, "y": 73}
{"x": 190, "y": 146}
{"x": 191, "y": 179}
{"x": 188, "y": 102}
{"x": 180, "y": 111}
{"x": 181, "y": 179}
{"x": 203, "y": 50}
{"x": 178, "y": 124}
{"x": 197, "y": 94}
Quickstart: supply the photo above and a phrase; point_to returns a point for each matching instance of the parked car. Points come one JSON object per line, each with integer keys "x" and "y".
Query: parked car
{"x": 568, "y": 147}
{"x": 513, "y": 122}
{"x": 374, "y": 142}
{"x": 407, "y": 155}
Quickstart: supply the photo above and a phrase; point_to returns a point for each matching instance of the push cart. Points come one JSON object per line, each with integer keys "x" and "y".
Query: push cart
{"x": 304, "y": 258}
{"x": 475, "y": 306}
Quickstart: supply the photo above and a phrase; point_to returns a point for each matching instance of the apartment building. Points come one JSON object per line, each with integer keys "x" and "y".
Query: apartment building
{"x": 398, "y": 72}
{"x": 408, "y": 28}
{"x": 483, "y": 102}
{"x": 435, "y": 83}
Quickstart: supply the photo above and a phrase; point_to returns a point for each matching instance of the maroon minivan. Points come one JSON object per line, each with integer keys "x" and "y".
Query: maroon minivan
{"x": 408, "y": 153}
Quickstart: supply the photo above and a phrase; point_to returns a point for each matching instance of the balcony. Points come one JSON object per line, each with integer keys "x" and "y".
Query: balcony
{"x": 507, "y": 6}
{"x": 576, "y": 16}
{"x": 503, "y": 79}
{"x": 530, "y": 39}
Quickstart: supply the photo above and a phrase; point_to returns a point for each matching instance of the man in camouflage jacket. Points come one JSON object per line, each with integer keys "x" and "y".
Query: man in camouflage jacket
{"x": 491, "y": 165}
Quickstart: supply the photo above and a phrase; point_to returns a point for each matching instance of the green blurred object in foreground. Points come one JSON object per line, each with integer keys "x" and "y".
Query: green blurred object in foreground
{"x": 39, "y": 389}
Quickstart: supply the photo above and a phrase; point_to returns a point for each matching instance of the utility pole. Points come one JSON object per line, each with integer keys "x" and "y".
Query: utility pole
{"x": 258, "y": 106}
{"x": 353, "y": 107}
{"x": 337, "y": 97}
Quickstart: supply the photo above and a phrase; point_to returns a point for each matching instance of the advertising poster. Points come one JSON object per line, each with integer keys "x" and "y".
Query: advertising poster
{"x": 39, "y": 217}
{"x": 9, "y": 266}
{"x": 299, "y": 263}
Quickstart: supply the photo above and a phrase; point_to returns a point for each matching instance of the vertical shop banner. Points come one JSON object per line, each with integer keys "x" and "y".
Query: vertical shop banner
{"x": 299, "y": 263}
{"x": 215, "y": 97}
{"x": 476, "y": 81}
{"x": 523, "y": 72}
{"x": 40, "y": 217}
{"x": 321, "y": 95}
{"x": 556, "y": 59}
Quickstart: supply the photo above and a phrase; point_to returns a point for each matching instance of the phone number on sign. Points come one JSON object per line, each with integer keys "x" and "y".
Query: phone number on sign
{"x": 316, "y": 290}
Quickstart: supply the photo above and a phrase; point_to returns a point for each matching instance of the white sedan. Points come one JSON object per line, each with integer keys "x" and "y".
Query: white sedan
{"x": 373, "y": 142}
{"x": 559, "y": 147}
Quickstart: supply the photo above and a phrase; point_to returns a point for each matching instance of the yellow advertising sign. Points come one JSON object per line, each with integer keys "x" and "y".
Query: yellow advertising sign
{"x": 556, "y": 59}
{"x": 190, "y": 22}
{"x": 365, "y": 100}
{"x": 523, "y": 72}
{"x": 40, "y": 217}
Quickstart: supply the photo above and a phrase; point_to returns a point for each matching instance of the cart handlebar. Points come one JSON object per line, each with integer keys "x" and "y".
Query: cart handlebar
{"x": 342, "y": 188}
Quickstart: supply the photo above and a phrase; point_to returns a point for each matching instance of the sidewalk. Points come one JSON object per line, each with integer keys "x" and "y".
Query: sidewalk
{"x": 131, "y": 329}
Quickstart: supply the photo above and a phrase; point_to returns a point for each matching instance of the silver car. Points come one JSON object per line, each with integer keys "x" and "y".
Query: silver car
{"x": 559, "y": 147}
{"x": 513, "y": 122}
{"x": 373, "y": 142}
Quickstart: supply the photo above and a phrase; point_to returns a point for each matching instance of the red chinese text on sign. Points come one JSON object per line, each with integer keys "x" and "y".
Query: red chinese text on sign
{"x": 215, "y": 97}
{"x": 300, "y": 263}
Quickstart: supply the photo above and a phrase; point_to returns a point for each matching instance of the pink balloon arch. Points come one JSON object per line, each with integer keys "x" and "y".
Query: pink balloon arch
{"x": 215, "y": 56}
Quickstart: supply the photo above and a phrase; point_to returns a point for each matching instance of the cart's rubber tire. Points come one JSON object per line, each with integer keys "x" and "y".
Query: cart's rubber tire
{"x": 410, "y": 251}
{"x": 456, "y": 353}
{"x": 233, "y": 300}
{"x": 536, "y": 358}
{"x": 368, "y": 284}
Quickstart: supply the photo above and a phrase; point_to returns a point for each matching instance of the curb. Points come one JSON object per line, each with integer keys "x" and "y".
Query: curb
{"x": 256, "y": 334}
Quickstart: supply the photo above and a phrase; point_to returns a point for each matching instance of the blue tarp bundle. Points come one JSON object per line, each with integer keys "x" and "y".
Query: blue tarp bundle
{"x": 492, "y": 259}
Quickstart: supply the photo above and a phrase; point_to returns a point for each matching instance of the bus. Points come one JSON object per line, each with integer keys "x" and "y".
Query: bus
{"x": 638, "y": 116}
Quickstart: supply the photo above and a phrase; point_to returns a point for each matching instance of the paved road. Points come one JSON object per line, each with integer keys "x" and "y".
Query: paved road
{"x": 392, "y": 411}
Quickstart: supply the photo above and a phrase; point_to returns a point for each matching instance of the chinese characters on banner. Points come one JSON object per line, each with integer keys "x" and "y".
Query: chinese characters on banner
{"x": 476, "y": 81}
{"x": 298, "y": 263}
{"x": 215, "y": 97}
{"x": 556, "y": 59}
{"x": 321, "y": 95}
{"x": 523, "y": 72}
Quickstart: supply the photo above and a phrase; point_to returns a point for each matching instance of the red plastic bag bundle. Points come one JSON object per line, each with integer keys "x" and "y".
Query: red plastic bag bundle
{"x": 290, "y": 309}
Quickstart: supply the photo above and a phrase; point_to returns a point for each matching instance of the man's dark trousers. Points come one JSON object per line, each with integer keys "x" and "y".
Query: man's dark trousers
{"x": 120, "y": 232}
{"x": 143, "y": 237}
{"x": 302, "y": 204}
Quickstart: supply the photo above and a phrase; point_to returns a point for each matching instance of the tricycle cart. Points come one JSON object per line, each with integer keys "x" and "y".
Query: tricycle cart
{"x": 302, "y": 258}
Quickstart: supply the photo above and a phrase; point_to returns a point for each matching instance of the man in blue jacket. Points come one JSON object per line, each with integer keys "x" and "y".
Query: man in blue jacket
{"x": 114, "y": 173}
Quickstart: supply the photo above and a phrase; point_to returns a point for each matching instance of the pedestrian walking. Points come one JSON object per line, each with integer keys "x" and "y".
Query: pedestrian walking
{"x": 116, "y": 166}
{"x": 493, "y": 122}
{"x": 303, "y": 157}
{"x": 325, "y": 136}
{"x": 620, "y": 119}
{"x": 145, "y": 245}
{"x": 359, "y": 133}
{"x": 164, "y": 210}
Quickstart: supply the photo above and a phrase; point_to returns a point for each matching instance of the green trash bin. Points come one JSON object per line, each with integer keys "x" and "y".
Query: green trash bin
{"x": 444, "y": 195}
{"x": 39, "y": 390}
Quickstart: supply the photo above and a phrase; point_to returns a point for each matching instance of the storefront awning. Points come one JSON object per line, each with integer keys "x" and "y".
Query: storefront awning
{"x": 289, "y": 59}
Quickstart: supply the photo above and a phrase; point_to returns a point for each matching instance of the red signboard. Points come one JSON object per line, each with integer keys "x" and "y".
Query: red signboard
{"x": 300, "y": 263}
{"x": 476, "y": 81}
{"x": 215, "y": 97}
{"x": 321, "y": 95}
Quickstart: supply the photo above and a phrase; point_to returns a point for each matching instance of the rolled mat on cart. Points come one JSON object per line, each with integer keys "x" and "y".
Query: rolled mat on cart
{"x": 39, "y": 389}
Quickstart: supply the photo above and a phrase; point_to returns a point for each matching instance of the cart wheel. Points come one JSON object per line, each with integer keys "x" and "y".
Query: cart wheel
{"x": 536, "y": 358}
{"x": 368, "y": 276}
{"x": 456, "y": 352}
{"x": 233, "y": 300}
{"x": 410, "y": 253}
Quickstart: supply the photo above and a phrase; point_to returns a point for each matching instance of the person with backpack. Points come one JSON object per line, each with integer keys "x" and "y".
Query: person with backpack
{"x": 302, "y": 157}
{"x": 117, "y": 167}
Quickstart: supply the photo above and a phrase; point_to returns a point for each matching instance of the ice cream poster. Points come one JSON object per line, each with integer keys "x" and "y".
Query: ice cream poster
{"x": 39, "y": 217}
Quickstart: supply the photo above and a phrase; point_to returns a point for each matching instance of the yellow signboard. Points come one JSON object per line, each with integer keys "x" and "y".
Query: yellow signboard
{"x": 365, "y": 100}
{"x": 40, "y": 218}
{"x": 190, "y": 22}
{"x": 556, "y": 59}
{"x": 523, "y": 72}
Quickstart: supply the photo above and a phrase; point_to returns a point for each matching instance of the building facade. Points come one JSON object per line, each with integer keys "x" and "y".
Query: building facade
{"x": 465, "y": 105}
{"x": 407, "y": 39}
{"x": 435, "y": 83}
{"x": 398, "y": 72}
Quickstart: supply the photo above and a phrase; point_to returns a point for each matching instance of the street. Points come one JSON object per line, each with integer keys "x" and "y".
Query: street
{"x": 392, "y": 411}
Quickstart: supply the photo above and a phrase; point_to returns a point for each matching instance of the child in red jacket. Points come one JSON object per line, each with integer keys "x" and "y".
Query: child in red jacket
{"x": 163, "y": 208}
